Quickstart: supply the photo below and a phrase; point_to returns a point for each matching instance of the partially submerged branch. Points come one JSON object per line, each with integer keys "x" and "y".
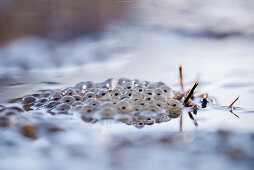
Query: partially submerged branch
{"x": 185, "y": 102}
{"x": 181, "y": 84}
{"x": 230, "y": 107}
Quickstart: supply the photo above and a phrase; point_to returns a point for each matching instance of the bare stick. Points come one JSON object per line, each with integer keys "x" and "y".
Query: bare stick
{"x": 190, "y": 93}
{"x": 181, "y": 84}
{"x": 181, "y": 77}
{"x": 230, "y": 107}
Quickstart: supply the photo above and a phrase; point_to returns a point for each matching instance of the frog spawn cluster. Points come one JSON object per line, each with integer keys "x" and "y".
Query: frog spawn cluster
{"x": 133, "y": 102}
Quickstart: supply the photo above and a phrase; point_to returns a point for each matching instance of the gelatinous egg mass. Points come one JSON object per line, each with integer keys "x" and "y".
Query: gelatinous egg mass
{"x": 133, "y": 102}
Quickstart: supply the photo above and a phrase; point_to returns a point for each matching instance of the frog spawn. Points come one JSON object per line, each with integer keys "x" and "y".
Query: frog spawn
{"x": 132, "y": 102}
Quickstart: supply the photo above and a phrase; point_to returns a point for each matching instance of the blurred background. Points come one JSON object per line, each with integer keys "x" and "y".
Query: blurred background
{"x": 57, "y": 20}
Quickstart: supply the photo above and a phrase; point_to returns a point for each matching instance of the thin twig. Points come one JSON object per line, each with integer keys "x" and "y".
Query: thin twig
{"x": 230, "y": 107}
{"x": 190, "y": 94}
{"x": 181, "y": 77}
{"x": 181, "y": 84}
